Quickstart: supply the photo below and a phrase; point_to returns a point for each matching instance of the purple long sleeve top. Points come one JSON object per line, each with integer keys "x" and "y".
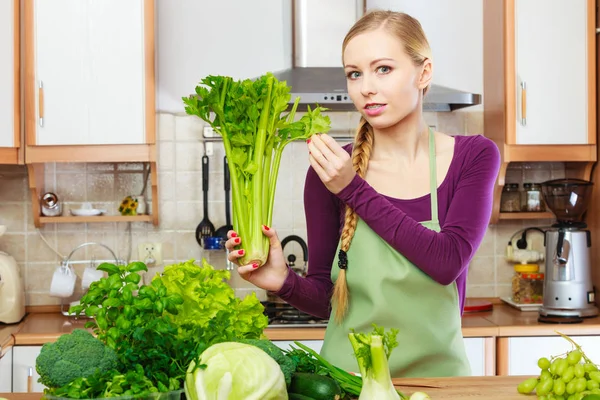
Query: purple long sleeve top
{"x": 465, "y": 200}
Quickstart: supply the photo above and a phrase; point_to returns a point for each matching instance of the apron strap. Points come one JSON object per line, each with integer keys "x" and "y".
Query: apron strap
{"x": 433, "y": 177}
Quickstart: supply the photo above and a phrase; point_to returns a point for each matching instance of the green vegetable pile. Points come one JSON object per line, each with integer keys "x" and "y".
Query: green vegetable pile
{"x": 247, "y": 114}
{"x": 154, "y": 332}
{"x": 186, "y": 331}
{"x": 568, "y": 376}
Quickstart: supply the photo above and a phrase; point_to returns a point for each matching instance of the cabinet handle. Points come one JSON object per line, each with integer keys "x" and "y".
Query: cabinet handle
{"x": 41, "y": 103}
{"x": 30, "y": 380}
{"x": 523, "y": 103}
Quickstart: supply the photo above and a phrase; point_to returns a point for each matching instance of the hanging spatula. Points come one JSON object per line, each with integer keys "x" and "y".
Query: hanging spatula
{"x": 222, "y": 231}
{"x": 205, "y": 227}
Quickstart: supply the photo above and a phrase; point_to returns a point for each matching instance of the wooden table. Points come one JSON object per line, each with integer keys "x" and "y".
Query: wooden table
{"x": 469, "y": 388}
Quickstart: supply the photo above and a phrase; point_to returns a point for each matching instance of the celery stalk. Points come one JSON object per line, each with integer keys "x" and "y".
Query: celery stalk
{"x": 247, "y": 114}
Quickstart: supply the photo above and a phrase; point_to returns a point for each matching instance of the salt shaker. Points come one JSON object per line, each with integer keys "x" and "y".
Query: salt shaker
{"x": 51, "y": 207}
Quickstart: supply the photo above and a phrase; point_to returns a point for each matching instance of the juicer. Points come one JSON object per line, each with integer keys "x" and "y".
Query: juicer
{"x": 568, "y": 287}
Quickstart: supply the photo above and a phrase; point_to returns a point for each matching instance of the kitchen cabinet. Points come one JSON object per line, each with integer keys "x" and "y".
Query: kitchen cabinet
{"x": 519, "y": 355}
{"x": 25, "y": 377}
{"x": 89, "y": 90}
{"x": 478, "y": 352}
{"x": 10, "y": 104}
{"x": 90, "y": 74}
{"x": 6, "y": 371}
{"x": 540, "y": 85}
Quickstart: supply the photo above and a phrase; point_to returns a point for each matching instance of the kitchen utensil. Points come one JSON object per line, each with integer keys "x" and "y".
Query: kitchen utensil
{"x": 519, "y": 306}
{"x": 205, "y": 228}
{"x": 86, "y": 212}
{"x": 222, "y": 231}
{"x": 568, "y": 288}
{"x": 473, "y": 305}
{"x": 63, "y": 281}
{"x": 51, "y": 206}
{"x": 12, "y": 289}
{"x": 292, "y": 257}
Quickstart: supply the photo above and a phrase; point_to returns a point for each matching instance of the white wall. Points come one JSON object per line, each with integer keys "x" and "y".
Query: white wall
{"x": 256, "y": 35}
{"x": 251, "y": 38}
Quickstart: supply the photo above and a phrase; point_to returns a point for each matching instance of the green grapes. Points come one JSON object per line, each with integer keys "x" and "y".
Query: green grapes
{"x": 571, "y": 376}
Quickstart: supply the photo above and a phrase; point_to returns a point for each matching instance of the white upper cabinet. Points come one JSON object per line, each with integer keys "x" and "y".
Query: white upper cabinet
{"x": 91, "y": 63}
{"x": 552, "y": 86}
{"x": 8, "y": 73}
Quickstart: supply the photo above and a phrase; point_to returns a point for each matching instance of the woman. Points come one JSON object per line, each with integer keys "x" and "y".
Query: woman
{"x": 394, "y": 219}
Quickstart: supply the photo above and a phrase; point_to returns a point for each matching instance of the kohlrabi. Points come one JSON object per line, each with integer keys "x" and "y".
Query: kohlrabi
{"x": 247, "y": 114}
{"x": 372, "y": 351}
{"x": 234, "y": 371}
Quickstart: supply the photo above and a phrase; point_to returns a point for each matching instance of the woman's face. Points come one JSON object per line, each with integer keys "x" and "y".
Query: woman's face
{"x": 383, "y": 82}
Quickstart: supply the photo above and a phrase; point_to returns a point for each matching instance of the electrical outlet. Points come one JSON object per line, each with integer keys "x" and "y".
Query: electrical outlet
{"x": 150, "y": 253}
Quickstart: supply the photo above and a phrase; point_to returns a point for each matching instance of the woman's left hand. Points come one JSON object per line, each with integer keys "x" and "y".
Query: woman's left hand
{"x": 331, "y": 162}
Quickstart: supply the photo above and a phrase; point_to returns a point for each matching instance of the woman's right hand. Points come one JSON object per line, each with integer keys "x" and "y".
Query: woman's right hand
{"x": 272, "y": 274}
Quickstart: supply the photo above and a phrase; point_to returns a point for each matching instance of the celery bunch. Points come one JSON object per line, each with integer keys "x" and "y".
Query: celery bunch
{"x": 247, "y": 114}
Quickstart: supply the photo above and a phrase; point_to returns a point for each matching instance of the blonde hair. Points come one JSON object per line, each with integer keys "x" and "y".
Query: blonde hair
{"x": 409, "y": 31}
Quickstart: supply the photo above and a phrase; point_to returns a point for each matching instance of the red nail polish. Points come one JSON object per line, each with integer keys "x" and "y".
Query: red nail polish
{"x": 234, "y": 234}
{"x": 266, "y": 227}
{"x": 308, "y": 141}
{"x": 254, "y": 265}
{"x": 241, "y": 252}
{"x": 237, "y": 240}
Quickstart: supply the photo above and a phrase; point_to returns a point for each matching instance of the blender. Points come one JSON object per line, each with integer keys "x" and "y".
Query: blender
{"x": 568, "y": 288}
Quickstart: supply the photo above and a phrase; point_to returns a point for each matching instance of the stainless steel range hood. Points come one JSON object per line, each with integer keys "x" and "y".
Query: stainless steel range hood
{"x": 318, "y": 31}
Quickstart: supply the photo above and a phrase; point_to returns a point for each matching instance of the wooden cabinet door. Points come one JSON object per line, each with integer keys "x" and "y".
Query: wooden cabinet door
{"x": 551, "y": 71}
{"x": 61, "y": 72}
{"x": 89, "y": 70}
{"x": 9, "y": 67}
{"x": 23, "y": 364}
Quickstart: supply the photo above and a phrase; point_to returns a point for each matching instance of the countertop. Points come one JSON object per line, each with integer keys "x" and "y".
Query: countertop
{"x": 473, "y": 388}
{"x": 40, "y": 327}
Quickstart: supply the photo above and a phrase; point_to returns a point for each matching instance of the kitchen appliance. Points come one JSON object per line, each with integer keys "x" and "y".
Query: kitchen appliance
{"x": 568, "y": 290}
{"x": 314, "y": 79}
{"x": 292, "y": 257}
{"x": 12, "y": 289}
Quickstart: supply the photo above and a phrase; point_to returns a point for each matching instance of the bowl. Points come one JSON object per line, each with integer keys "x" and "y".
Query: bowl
{"x": 86, "y": 212}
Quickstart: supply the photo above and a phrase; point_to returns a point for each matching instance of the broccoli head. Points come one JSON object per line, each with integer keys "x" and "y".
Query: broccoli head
{"x": 286, "y": 364}
{"x": 73, "y": 355}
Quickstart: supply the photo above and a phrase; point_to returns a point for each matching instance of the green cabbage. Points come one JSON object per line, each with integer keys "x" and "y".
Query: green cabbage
{"x": 234, "y": 371}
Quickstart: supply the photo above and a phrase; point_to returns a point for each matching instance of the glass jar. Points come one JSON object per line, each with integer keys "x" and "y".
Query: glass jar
{"x": 527, "y": 284}
{"x": 510, "y": 200}
{"x": 532, "y": 198}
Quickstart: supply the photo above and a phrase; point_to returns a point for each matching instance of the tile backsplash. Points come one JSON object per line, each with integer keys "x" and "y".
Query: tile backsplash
{"x": 180, "y": 150}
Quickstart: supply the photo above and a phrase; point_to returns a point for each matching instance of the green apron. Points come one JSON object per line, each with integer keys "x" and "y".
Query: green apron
{"x": 388, "y": 290}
